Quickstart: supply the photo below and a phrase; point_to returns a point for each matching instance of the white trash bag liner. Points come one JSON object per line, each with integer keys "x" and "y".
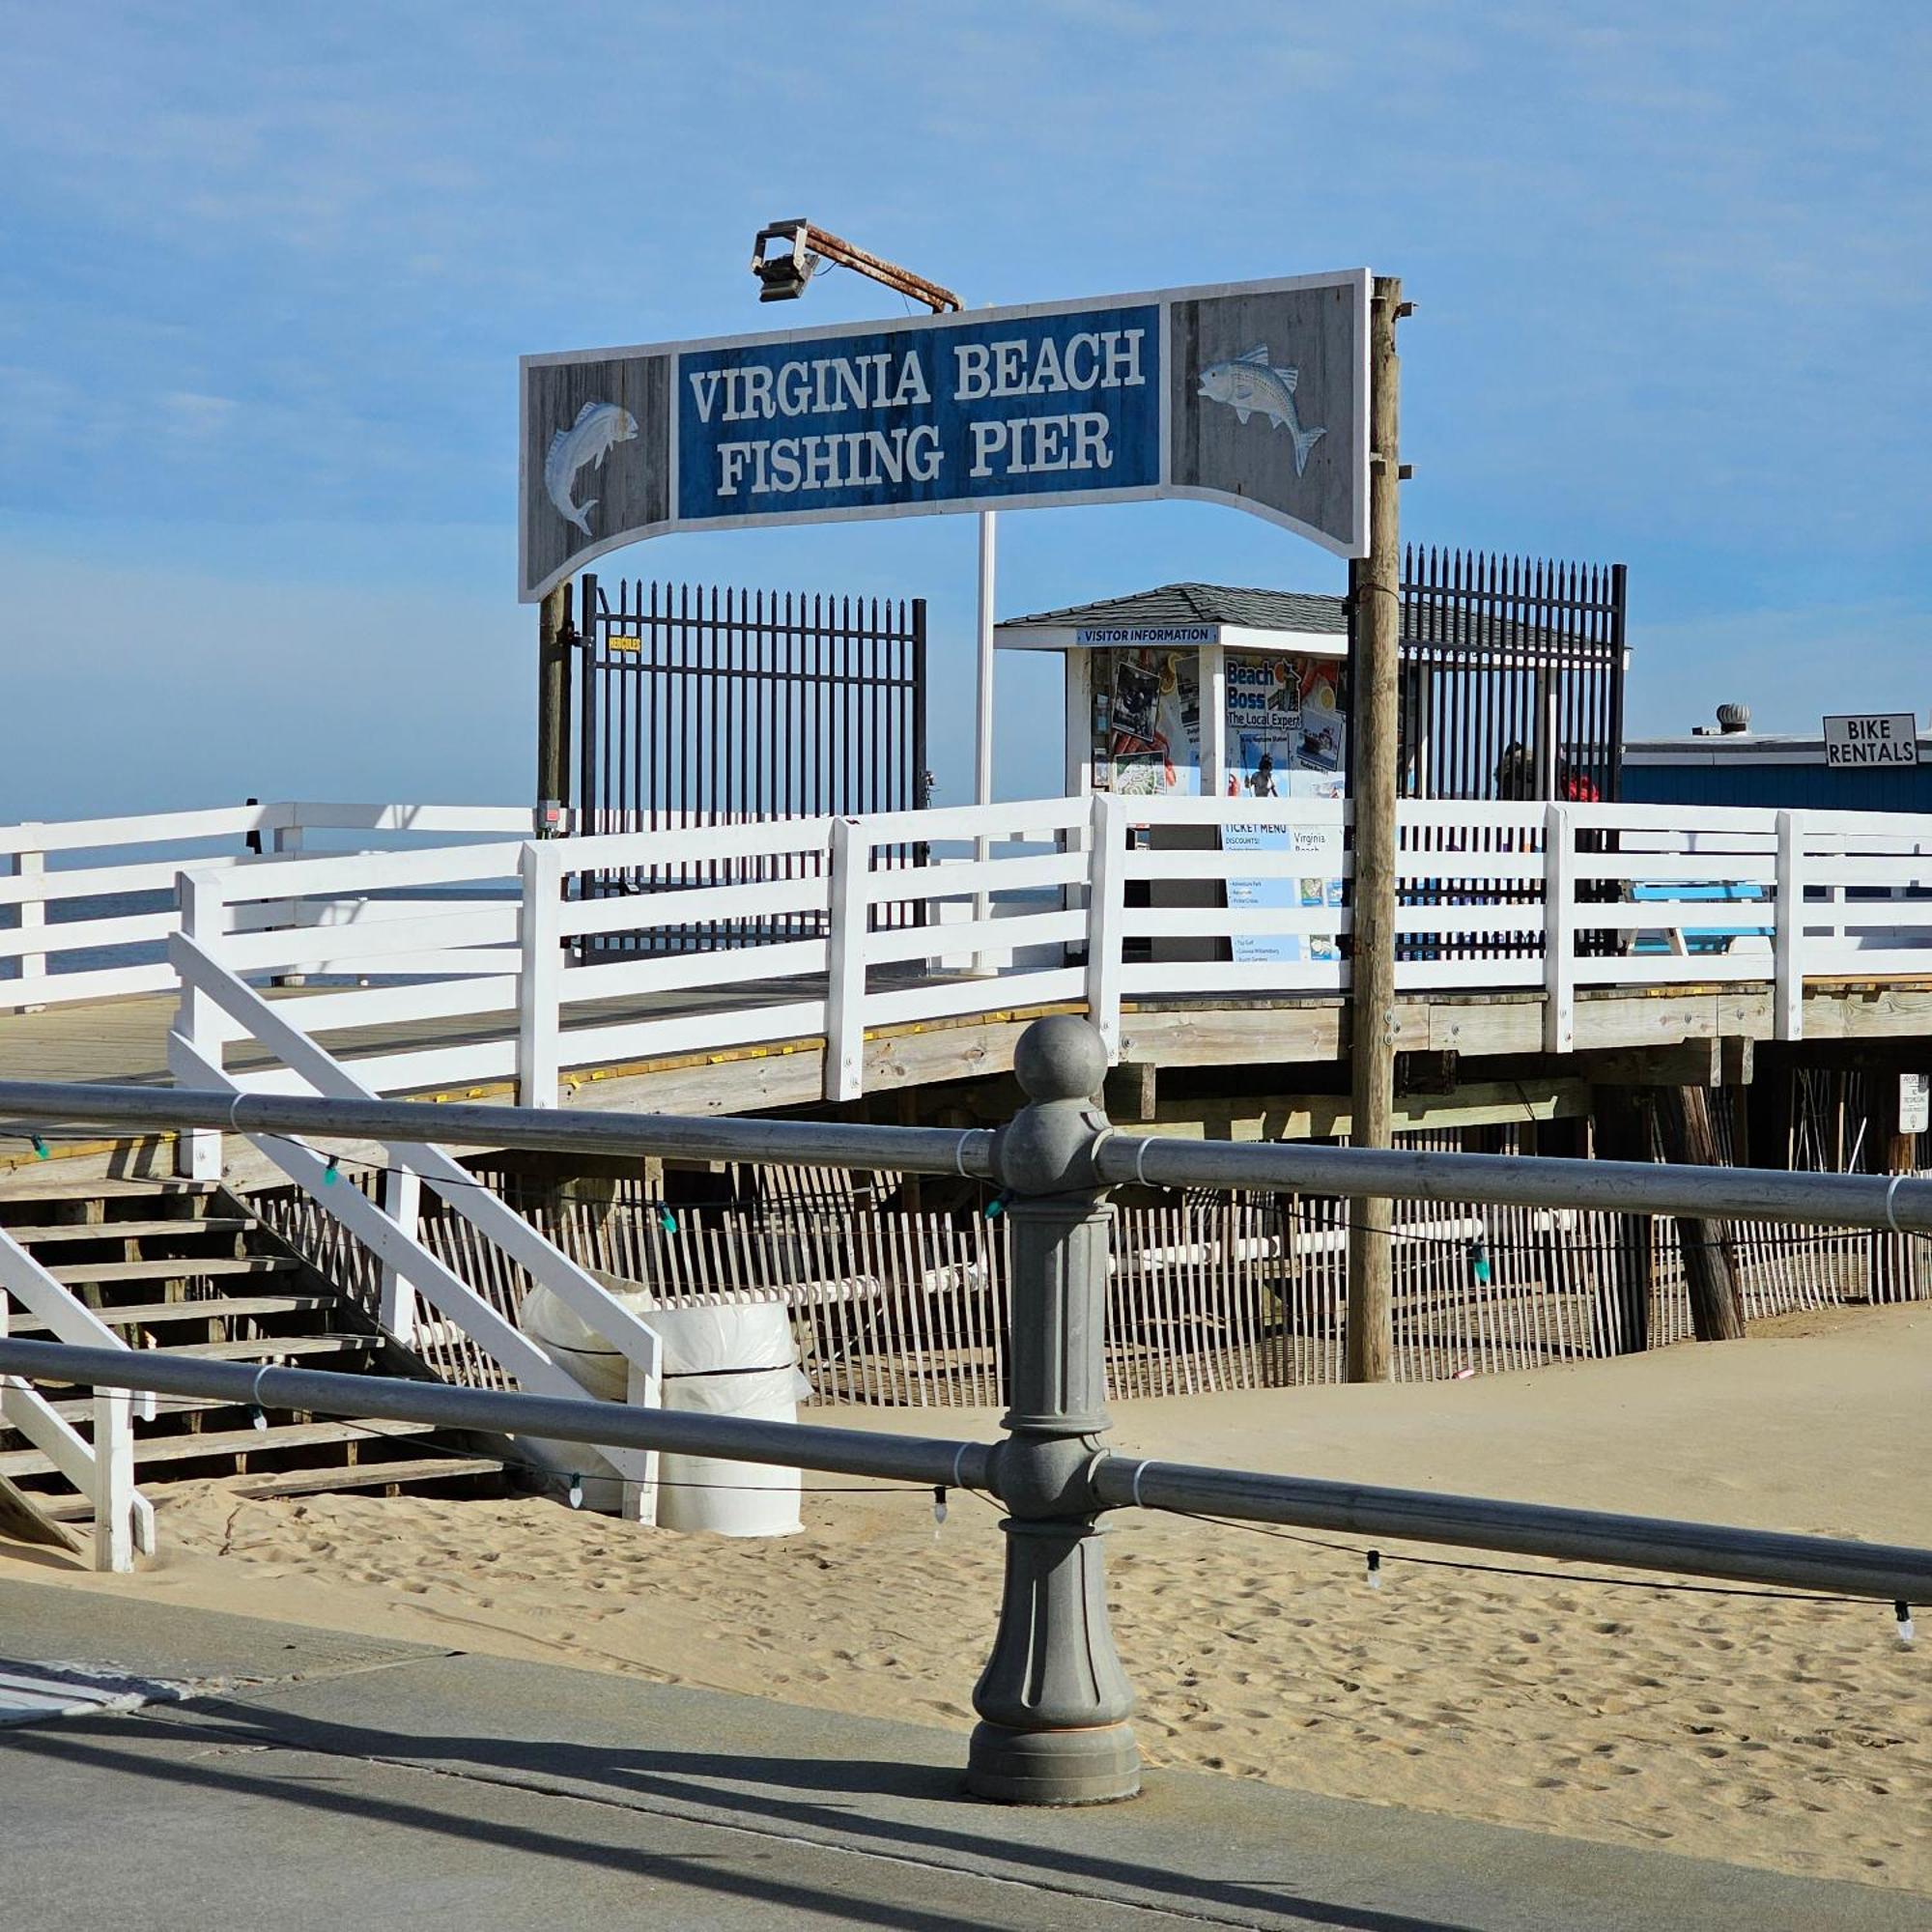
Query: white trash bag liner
{"x": 729, "y": 1361}
{"x": 736, "y": 1361}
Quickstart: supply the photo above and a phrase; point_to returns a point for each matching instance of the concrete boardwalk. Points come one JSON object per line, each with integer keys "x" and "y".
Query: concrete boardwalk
{"x": 313, "y": 1779}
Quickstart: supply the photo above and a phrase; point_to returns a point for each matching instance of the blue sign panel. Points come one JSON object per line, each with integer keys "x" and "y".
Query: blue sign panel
{"x": 1253, "y": 394}
{"x": 976, "y": 409}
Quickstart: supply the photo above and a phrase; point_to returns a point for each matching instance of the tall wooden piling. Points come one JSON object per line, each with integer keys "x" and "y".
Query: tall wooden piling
{"x": 1687, "y": 1139}
{"x": 1376, "y": 600}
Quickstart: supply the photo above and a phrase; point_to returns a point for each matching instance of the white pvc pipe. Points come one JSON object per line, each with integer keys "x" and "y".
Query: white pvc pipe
{"x": 982, "y": 716}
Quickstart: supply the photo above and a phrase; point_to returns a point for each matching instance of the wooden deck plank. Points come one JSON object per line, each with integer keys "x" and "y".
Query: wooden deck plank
{"x": 124, "y": 1041}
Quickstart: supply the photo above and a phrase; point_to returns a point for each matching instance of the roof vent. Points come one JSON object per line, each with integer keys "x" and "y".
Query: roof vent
{"x": 1733, "y": 719}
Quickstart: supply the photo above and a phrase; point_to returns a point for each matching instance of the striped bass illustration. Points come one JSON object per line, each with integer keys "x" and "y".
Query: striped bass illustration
{"x": 1251, "y": 385}
{"x": 588, "y": 439}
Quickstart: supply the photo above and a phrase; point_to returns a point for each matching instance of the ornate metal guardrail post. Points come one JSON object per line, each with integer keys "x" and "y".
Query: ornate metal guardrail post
{"x": 1052, "y": 1700}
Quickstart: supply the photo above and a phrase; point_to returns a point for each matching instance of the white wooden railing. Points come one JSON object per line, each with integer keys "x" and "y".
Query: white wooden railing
{"x": 59, "y": 882}
{"x": 388, "y": 1226}
{"x": 102, "y": 1469}
{"x": 482, "y": 979}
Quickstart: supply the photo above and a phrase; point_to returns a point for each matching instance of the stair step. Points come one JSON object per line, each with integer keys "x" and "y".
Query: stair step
{"x": 272, "y": 1348}
{"x": 151, "y": 1449}
{"x": 46, "y": 1188}
{"x": 123, "y": 1230}
{"x": 154, "y": 1314}
{"x": 178, "y": 1269}
{"x": 298, "y": 1482}
{"x": 80, "y": 1408}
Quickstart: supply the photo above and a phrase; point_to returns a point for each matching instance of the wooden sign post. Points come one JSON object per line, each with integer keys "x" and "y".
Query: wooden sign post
{"x": 1376, "y": 595}
{"x": 554, "y": 632}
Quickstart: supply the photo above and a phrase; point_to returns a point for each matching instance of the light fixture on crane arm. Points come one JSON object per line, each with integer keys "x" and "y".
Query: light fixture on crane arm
{"x": 783, "y": 277}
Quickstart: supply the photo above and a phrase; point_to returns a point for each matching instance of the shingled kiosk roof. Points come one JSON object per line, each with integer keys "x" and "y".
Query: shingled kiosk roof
{"x": 1305, "y": 614}
{"x": 1200, "y": 604}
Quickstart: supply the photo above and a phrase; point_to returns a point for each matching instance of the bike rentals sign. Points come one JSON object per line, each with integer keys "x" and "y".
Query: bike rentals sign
{"x": 1253, "y": 394}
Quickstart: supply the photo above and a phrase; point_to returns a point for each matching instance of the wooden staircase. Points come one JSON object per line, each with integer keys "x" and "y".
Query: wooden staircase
{"x": 185, "y": 1269}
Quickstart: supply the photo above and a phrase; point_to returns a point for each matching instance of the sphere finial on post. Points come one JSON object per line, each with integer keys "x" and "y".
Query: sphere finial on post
{"x": 1060, "y": 1058}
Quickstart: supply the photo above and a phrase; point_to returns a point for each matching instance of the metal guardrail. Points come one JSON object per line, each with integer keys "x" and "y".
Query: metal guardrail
{"x": 1884, "y": 1572}
{"x": 1054, "y": 1700}
{"x": 1901, "y": 1203}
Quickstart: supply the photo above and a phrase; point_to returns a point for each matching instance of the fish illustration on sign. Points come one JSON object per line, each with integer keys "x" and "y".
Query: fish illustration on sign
{"x": 589, "y": 440}
{"x": 1251, "y": 385}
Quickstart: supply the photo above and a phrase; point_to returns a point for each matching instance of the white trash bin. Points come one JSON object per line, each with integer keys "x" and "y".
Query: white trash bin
{"x": 738, "y": 1360}
{"x": 729, "y": 1361}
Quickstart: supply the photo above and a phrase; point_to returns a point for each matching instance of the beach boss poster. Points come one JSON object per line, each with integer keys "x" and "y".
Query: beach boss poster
{"x": 1251, "y": 394}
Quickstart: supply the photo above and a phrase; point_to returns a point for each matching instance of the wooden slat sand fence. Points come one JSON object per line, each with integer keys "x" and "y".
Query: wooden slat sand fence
{"x": 351, "y": 1266}
{"x": 903, "y": 1308}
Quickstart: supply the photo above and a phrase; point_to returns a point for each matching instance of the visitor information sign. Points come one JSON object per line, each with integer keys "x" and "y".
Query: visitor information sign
{"x": 1253, "y": 394}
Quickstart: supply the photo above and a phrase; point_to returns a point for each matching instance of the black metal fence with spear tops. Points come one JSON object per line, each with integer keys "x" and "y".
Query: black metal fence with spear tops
{"x": 1511, "y": 688}
{"x": 699, "y": 706}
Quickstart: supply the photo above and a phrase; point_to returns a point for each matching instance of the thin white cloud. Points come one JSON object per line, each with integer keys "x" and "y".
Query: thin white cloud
{"x": 186, "y": 414}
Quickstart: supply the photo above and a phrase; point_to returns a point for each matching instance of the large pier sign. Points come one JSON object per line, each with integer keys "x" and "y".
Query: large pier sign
{"x": 1253, "y": 394}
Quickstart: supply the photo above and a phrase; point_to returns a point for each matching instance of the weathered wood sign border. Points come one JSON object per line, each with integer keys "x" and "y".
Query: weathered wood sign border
{"x": 1253, "y": 394}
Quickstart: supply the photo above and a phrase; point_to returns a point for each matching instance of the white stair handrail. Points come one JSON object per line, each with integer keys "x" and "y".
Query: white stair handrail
{"x": 447, "y": 1291}
{"x": 103, "y": 1470}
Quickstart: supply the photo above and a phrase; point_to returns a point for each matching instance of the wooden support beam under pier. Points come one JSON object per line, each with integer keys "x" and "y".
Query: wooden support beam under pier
{"x": 1294, "y": 1039}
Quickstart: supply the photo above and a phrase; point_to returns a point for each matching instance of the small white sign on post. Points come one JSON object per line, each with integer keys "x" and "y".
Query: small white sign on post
{"x": 1881, "y": 738}
{"x": 1915, "y": 1103}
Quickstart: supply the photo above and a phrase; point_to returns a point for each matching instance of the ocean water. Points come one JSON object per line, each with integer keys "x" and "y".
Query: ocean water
{"x": 79, "y": 912}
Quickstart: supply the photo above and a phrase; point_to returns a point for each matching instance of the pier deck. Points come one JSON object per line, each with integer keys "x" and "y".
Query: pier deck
{"x": 124, "y": 1041}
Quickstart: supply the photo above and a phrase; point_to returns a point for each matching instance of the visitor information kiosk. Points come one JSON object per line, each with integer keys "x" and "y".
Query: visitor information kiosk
{"x": 1200, "y": 689}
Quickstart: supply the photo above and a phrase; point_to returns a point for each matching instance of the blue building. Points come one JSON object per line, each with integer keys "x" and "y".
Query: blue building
{"x": 1731, "y": 764}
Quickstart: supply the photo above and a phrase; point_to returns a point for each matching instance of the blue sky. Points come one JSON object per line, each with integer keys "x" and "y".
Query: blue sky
{"x": 265, "y": 271}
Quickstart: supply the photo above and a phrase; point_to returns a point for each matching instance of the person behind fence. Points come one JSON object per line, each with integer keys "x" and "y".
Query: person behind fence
{"x": 1516, "y": 777}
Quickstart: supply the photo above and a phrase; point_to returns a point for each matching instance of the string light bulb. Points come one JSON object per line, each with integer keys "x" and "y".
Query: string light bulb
{"x": 938, "y": 1508}
{"x": 1374, "y": 1579}
{"x": 331, "y": 1170}
{"x": 577, "y": 1493}
{"x": 1902, "y": 1613}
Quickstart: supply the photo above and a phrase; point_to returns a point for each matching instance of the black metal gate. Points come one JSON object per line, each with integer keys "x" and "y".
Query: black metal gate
{"x": 1510, "y": 687}
{"x": 699, "y": 706}
{"x": 1512, "y": 677}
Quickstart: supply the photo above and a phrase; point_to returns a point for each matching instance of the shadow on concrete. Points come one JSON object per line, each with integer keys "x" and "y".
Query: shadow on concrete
{"x": 703, "y": 1785}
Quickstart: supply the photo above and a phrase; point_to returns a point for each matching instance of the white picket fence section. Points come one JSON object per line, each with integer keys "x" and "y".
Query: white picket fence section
{"x": 473, "y": 969}
{"x": 52, "y": 912}
{"x": 102, "y": 1469}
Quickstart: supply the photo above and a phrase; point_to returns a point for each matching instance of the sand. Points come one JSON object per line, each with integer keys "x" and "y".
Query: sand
{"x": 1790, "y": 1735}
